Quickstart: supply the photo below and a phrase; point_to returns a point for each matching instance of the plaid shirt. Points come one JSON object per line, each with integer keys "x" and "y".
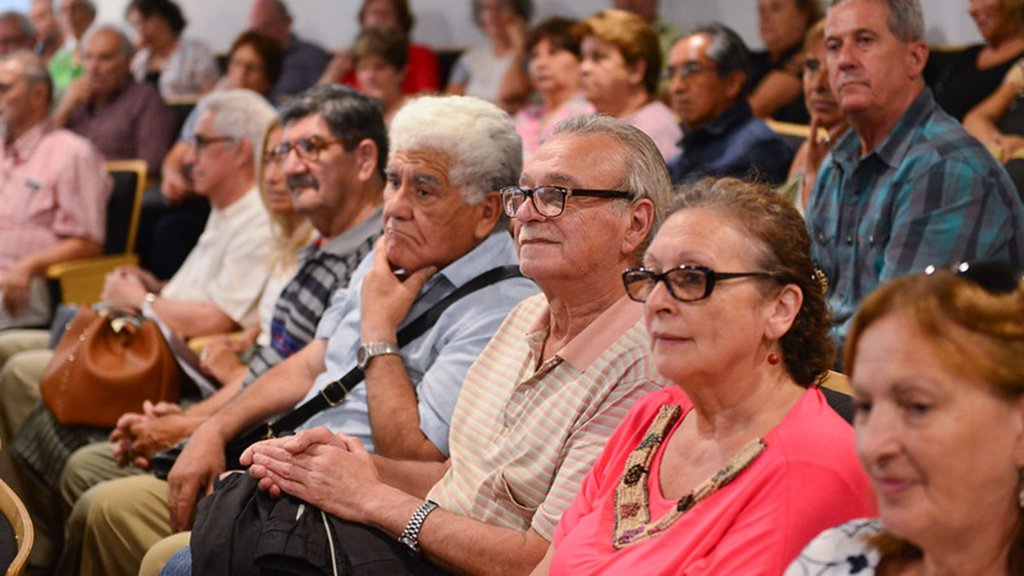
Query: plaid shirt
{"x": 928, "y": 194}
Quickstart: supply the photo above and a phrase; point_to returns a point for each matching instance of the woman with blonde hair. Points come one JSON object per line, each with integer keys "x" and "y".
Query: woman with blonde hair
{"x": 938, "y": 383}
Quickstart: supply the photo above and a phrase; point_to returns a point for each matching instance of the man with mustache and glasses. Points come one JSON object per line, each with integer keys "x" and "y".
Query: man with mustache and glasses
{"x": 908, "y": 186}
{"x": 443, "y": 226}
{"x": 538, "y": 404}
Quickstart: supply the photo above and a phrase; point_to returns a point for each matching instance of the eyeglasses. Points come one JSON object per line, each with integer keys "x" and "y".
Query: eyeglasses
{"x": 198, "y": 140}
{"x": 549, "y": 201}
{"x": 685, "y": 70}
{"x": 685, "y": 283}
{"x": 992, "y": 276}
{"x": 308, "y": 149}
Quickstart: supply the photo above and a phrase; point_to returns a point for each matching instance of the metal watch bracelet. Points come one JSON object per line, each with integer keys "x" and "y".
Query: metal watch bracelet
{"x": 411, "y": 535}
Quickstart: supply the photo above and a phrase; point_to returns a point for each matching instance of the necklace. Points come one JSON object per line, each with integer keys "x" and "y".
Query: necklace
{"x": 632, "y": 500}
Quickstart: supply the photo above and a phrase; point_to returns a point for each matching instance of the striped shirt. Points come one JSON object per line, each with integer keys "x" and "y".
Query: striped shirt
{"x": 322, "y": 269}
{"x": 928, "y": 194}
{"x": 525, "y": 433}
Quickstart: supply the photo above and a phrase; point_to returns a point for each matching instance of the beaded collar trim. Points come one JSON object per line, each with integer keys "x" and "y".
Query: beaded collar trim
{"x": 632, "y": 500}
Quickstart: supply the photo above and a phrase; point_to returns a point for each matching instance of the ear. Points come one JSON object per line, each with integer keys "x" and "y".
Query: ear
{"x": 637, "y": 70}
{"x": 783, "y": 311}
{"x": 917, "y": 57}
{"x": 244, "y": 153}
{"x": 366, "y": 159}
{"x": 641, "y": 218}
{"x": 489, "y": 211}
{"x": 734, "y": 84}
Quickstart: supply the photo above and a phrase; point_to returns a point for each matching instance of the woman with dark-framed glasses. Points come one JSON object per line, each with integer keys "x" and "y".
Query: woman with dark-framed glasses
{"x": 734, "y": 467}
{"x": 937, "y": 367}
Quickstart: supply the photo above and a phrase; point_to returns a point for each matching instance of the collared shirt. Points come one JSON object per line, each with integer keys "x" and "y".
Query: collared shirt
{"x": 438, "y": 360}
{"x": 928, "y": 194}
{"x": 304, "y": 62}
{"x": 736, "y": 143}
{"x": 658, "y": 122}
{"x": 322, "y": 270}
{"x": 526, "y": 432}
{"x": 64, "y": 67}
{"x": 229, "y": 264}
{"x": 188, "y": 70}
{"x": 134, "y": 123}
{"x": 53, "y": 185}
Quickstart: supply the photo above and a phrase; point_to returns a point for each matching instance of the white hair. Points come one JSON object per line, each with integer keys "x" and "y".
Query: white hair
{"x": 481, "y": 139}
{"x": 240, "y": 114}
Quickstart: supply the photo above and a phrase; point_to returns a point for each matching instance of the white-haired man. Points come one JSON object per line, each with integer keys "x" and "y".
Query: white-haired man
{"x": 443, "y": 227}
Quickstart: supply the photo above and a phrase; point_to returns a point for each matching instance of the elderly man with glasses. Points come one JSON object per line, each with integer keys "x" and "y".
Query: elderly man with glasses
{"x": 707, "y": 69}
{"x": 538, "y": 403}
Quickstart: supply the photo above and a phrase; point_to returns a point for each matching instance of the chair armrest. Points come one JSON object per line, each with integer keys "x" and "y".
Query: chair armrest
{"x": 81, "y": 281}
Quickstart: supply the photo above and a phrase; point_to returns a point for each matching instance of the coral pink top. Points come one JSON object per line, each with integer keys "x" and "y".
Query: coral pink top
{"x": 807, "y": 479}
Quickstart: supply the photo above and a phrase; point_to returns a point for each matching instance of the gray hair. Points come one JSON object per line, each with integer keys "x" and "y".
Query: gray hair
{"x": 906, "y": 19}
{"x": 350, "y": 115}
{"x": 481, "y": 139}
{"x": 726, "y": 49}
{"x": 25, "y": 27}
{"x": 646, "y": 175}
{"x": 33, "y": 69}
{"x": 125, "y": 46}
{"x": 240, "y": 114}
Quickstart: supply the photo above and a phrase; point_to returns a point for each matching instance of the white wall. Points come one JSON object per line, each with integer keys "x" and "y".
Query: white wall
{"x": 447, "y": 23}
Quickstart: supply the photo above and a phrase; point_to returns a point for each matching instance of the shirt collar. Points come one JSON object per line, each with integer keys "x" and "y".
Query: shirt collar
{"x": 735, "y": 115}
{"x": 595, "y": 339}
{"x": 23, "y": 148}
{"x": 894, "y": 147}
{"x": 348, "y": 241}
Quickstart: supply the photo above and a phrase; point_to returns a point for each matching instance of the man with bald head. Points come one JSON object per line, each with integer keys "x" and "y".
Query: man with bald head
{"x": 53, "y": 192}
{"x": 122, "y": 117}
{"x": 304, "y": 62}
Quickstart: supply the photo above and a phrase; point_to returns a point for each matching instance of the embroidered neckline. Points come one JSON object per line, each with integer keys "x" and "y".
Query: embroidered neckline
{"x": 632, "y": 499}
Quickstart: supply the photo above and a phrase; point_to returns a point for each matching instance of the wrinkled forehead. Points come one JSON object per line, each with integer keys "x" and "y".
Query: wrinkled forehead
{"x": 422, "y": 164}
{"x": 576, "y": 161}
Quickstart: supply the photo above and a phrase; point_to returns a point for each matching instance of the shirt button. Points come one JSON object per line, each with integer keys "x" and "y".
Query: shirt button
{"x": 849, "y": 239}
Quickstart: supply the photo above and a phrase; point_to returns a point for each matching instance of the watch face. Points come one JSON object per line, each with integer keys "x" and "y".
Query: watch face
{"x": 361, "y": 357}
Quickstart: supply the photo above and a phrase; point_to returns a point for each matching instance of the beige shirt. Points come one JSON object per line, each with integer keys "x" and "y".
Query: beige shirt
{"x": 523, "y": 436}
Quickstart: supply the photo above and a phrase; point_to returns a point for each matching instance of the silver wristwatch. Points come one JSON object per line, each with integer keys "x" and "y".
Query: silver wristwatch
{"x": 371, "y": 350}
{"x": 411, "y": 535}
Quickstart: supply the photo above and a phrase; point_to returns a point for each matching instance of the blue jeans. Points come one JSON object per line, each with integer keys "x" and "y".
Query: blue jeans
{"x": 179, "y": 565}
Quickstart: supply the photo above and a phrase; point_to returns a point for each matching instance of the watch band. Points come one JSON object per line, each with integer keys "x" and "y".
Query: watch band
{"x": 371, "y": 350}
{"x": 411, "y": 535}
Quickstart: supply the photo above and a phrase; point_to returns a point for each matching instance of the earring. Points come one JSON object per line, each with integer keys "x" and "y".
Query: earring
{"x": 773, "y": 358}
{"x": 1020, "y": 491}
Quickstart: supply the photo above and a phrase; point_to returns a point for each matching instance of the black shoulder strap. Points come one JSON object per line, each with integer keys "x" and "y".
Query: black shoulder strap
{"x": 335, "y": 392}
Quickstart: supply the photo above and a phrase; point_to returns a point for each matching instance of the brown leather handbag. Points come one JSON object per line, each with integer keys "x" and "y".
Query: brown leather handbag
{"x": 107, "y": 363}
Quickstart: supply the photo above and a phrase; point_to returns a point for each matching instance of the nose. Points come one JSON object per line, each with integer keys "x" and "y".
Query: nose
{"x": 291, "y": 164}
{"x": 659, "y": 299}
{"x": 877, "y": 435}
{"x": 397, "y": 203}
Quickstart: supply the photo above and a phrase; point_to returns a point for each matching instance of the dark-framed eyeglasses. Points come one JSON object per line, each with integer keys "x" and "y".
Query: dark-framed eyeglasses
{"x": 549, "y": 201}
{"x": 995, "y": 277}
{"x": 308, "y": 149}
{"x": 685, "y": 283}
{"x": 685, "y": 70}
{"x": 198, "y": 141}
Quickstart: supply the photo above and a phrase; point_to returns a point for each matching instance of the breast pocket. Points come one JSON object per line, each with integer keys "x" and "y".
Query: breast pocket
{"x": 33, "y": 203}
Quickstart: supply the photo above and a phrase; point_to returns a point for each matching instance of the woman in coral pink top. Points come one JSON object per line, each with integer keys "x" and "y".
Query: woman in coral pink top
{"x": 735, "y": 467}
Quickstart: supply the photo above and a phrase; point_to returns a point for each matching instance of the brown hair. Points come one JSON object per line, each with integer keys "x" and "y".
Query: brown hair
{"x": 402, "y": 14}
{"x": 633, "y": 37}
{"x": 391, "y": 45}
{"x": 270, "y": 52}
{"x": 978, "y": 333}
{"x": 781, "y": 245}
{"x": 558, "y": 31}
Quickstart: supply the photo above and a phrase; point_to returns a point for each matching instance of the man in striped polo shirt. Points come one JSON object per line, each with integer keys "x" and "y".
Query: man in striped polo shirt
{"x": 540, "y": 401}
